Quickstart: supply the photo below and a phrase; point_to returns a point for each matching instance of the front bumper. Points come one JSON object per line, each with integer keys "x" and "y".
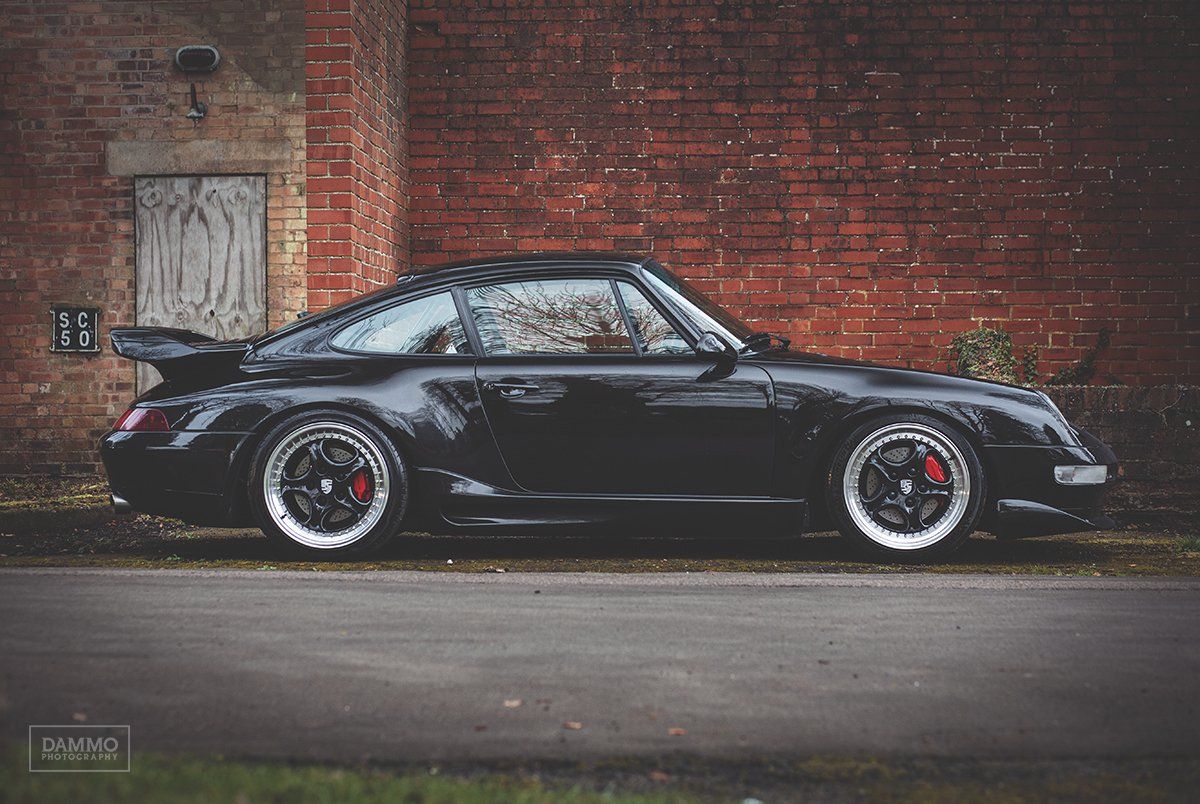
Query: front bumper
{"x": 181, "y": 474}
{"x": 1018, "y": 519}
{"x": 1027, "y": 500}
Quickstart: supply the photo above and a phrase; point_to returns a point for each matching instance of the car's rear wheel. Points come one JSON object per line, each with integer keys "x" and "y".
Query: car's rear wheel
{"x": 906, "y": 488}
{"x": 328, "y": 485}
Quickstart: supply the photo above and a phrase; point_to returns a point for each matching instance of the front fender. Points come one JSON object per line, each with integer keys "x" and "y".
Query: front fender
{"x": 819, "y": 404}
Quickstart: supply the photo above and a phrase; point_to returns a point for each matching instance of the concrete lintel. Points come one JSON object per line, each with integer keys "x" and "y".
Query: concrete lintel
{"x": 180, "y": 157}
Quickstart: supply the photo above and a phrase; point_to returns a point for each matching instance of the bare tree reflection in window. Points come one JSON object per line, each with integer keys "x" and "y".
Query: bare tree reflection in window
{"x": 553, "y": 316}
{"x": 423, "y": 326}
{"x": 655, "y": 334}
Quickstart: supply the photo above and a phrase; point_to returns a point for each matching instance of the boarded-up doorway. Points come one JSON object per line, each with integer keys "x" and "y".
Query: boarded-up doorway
{"x": 201, "y": 256}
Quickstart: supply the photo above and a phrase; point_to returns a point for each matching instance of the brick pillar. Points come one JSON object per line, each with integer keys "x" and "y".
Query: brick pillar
{"x": 356, "y": 146}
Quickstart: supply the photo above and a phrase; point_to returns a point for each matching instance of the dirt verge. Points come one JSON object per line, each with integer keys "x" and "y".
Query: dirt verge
{"x": 68, "y": 523}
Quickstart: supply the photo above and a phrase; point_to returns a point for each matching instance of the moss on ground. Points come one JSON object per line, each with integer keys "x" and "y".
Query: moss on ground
{"x": 73, "y": 530}
{"x": 145, "y": 541}
{"x": 34, "y": 493}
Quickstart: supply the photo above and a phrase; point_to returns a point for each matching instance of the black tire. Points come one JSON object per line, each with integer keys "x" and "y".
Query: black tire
{"x": 858, "y": 527}
{"x": 385, "y": 466}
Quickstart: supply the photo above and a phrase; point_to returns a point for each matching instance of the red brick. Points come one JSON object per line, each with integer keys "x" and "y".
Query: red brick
{"x": 901, "y": 161}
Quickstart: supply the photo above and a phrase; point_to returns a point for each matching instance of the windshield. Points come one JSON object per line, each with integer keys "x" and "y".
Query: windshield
{"x": 693, "y": 305}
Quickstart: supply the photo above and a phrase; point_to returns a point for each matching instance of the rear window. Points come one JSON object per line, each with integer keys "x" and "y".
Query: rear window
{"x": 428, "y": 326}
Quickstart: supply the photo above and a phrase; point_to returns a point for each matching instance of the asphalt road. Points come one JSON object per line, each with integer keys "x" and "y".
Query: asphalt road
{"x": 415, "y": 666}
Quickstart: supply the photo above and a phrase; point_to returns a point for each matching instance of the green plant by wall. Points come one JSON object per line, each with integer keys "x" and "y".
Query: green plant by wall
{"x": 1081, "y": 372}
{"x": 987, "y": 354}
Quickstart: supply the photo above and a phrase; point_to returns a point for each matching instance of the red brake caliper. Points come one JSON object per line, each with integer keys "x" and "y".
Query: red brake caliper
{"x": 360, "y": 485}
{"x": 933, "y": 468}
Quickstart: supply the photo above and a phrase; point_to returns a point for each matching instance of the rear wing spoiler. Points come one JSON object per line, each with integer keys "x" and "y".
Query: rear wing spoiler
{"x": 177, "y": 352}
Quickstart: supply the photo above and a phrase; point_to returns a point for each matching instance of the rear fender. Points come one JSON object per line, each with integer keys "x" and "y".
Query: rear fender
{"x": 399, "y": 432}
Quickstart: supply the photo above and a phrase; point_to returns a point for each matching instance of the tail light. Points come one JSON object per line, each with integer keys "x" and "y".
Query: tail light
{"x": 142, "y": 420}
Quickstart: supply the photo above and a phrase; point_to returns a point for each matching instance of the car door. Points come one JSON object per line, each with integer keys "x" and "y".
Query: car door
{"x": 578, "y": 406}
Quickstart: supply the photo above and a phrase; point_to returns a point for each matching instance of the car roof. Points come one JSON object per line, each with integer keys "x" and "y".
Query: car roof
{"x": 531, "y": 261}
{"x": 460, "y": 270}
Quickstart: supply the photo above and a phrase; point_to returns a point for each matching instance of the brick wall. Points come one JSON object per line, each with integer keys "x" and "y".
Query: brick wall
{"x": 869, "y": 178}
{"x": 76, "y": 77}
{"x": 357, "y": 174}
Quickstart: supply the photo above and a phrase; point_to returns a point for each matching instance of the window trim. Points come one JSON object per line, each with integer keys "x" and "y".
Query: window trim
{"x": 633, "y": 335}
{"x": 518, "y": 278}
{"x": 684, "y": 332}
{"x": 437, "y": 291}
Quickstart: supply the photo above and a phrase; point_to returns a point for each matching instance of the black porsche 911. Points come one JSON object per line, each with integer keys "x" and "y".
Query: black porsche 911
{"x": 573, "y": 391}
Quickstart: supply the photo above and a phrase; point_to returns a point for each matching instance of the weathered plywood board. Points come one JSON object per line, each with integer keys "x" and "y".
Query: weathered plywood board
{"x": 201, "y": 256}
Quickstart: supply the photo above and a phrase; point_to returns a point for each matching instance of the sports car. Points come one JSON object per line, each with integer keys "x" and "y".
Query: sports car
{"x": 561, "y": 393}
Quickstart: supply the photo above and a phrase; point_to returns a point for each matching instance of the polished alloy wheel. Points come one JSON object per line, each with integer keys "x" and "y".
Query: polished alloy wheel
{"x": 326, "y": 485}
{"x": 906, "y": 486}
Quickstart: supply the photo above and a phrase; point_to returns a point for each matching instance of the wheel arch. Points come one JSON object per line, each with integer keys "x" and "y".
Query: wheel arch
{"x": 240, "y": 466}
{"x": 834, "y": 436}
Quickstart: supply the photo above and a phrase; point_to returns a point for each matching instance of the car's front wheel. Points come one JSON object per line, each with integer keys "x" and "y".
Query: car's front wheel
{"x": 906, "y": 488}
{"x": 328, "y": 485}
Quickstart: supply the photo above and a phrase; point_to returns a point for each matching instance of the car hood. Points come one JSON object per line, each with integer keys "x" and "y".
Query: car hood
{"x": 1001, "y": 413}
{"x": 798, "y": 357}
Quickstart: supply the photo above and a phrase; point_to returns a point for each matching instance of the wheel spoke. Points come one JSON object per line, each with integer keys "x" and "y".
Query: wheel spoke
{"x": 298, "y": 485}
{"x": 876, "y": 503}
{"x": 941, "y": 498}
{"x": 316, "y": 459}
{"x": 306, "y": 517}
{"x": 346, "y": 471}
{"x": 328, "y": 511}
{"x": 880, "y": 514}
{"x": 944, "y": 485}
{"x": 915, "y": 463}
{"x": 351, "y": 503}
{"x": 887, "y": 471}
{"x": 334, "y": 465}
{"x": 300, "y": 479}
{"x": 881, "y": 455}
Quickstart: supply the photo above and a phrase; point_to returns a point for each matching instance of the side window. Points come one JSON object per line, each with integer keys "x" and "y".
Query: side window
{"x": 654, "y": 333}
{"x": 428, "y": 326}
{"x": 549, "y": 316}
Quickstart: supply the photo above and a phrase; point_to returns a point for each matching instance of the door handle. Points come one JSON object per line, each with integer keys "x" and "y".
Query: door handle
{"x": 509, "y": 390}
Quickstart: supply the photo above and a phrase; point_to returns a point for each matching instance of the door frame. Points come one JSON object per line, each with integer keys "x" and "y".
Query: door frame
{"x": 135, "y": 284}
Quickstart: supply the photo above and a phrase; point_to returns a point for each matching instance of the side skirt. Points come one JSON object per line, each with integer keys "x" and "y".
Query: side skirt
{"x": 462, "y": 504}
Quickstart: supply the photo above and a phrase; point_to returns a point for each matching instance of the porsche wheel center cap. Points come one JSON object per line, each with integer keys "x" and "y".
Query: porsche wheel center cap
{"x": 327, "y": 485}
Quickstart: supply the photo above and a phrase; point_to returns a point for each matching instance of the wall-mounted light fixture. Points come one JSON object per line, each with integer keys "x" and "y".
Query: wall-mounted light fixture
{"x": 197, "y": 58}
{"x": 193, "y": 60}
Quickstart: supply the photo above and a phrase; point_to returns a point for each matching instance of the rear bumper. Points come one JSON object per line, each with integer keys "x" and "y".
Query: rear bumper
{"x": 185, "y": 475}
{"x": 1028, "y": 501}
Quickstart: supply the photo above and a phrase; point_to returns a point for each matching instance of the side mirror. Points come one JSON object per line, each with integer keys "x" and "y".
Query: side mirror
{"x": 711, "y": 344}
